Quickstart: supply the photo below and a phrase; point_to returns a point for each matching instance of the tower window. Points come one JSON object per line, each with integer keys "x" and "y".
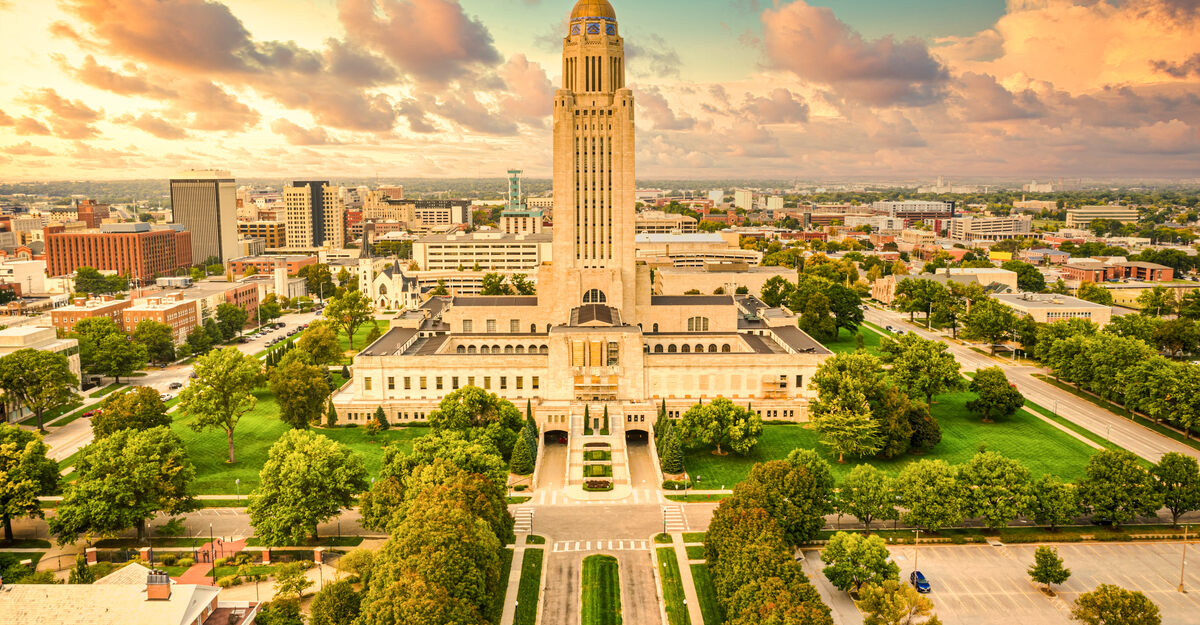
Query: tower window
{"x": 595, "y": 296}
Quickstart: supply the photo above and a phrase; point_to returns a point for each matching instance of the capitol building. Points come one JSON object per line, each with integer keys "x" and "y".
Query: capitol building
{"x": 594, "y": 339}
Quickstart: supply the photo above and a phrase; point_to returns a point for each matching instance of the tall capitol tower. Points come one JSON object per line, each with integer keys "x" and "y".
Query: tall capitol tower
{"x": 594, "y": 166}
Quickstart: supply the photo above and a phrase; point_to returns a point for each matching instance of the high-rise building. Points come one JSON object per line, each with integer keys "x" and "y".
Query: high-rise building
{"x": 205, "y": 203}
{"x": 314, "y": 215}
{"x": 137, "y": 250}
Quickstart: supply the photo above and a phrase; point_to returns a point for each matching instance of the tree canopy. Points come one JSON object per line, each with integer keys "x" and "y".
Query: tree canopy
{"x": 721, "y": 424}
{"x": 222, "y": 391}
{"x": 139, "y": 408}
{"x": 25, "y": 475}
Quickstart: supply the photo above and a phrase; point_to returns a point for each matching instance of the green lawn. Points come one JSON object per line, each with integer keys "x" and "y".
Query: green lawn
{"x": 506, "y": 558}
{"x": 530, "y": 588}
{"x": 601, "y": 591}
{"x": 252, "y": 439}
{"x": 50, "y": 415}
{"x": 846, "y": 342}
{"x": 695, "y": 552}
{"x": 706, "y": 594}
{"x": 1041, "y": 447}
{"x": 672, "y": 587}
{"x": 360, "y": 335}
{"x": 106, "y": 390}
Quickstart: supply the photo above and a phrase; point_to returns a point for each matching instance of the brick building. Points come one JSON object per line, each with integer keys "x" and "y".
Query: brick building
{"x": 135, "y": 250}
{"x": 91, "y": 213}
{"x": 266, "y": 264}
{"x": 66, "y": 317}
{"x": 172, "y": 309}
{"x": 273, "y": 233}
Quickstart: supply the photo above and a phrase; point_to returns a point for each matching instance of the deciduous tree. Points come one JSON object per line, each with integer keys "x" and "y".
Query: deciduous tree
{"x": 1178, "y": 480}
{"x": 473, "y": 412}
{"x": 335, "y": 604}
{"x": 1054, "y": 503}
{"x": 893, "y": 603}
{"x": 117, "y": 356}
{"x": 90, "y": 332}
{"x": 1089, "y": 291}
{"x": 990, "y": 321}
{"x": 1048, "y": 567}
{"x": 157, "y": 338}
{"x": 867, "y": 494}
{"x": 997, "y": 397}
{"x": 222, "y": 391}
{"x": 1116, "y": 487}
{"x": 796, "y": 492}
{"x": 231, "y": 319}
{"x": 125, "y": 480}
{"x": 853, "y": 560}
{"x": 720, "y": 423}
{"x": 139, "y": 408}
{"x": 307, "y": 480}
{"x": 25, "y": 475}
{"x": 1113, "y": 605}
{"x": 40, "y": 380}
{"x": 349, "y": 313}
{"x": 932, "y": 494}
{"x": 924, "y": 368}
{"x": 849, "y": 429}
{"x": 300, "y": 389}
{"x": 997, "y": 488}
{"x": 321, "y": 342}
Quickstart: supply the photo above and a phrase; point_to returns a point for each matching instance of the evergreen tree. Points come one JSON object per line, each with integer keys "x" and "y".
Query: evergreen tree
{"x": 604, "y": 430}
{"x": 331, "y": 416}
{"x": 345, "y": 372}
{"x": 381, "y": 418}
{"x": 672, "y": 455}
{"x": 587, "y": 421}
{"x": 81, "y": 574}
{"x": 522, "y": 459}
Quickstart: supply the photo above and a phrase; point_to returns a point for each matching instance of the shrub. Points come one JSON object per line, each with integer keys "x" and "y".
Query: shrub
{"x": 595, "y": 485}
{"x": 186, "y": 562}
{"x": 221, "y": 562}
{"x": 673, "y": 485}
{"x": 521, "y": 487}
{"x": 169, "y": 559}
{"x": 227, "y": 581}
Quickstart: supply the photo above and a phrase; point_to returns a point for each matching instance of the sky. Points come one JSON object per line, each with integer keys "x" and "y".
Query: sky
{"x": 820, "y": 90}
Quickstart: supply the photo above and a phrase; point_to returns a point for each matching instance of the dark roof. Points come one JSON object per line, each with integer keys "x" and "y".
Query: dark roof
{"x": 497, "y": 300}
{"x": 751, "y": 324}
{"x": 691, "y": 300}
{"x": 435, "y": 306}
{"x": 761, "y": 345}
{"x": 796, "y": 339}
{"x": 391, "y": 343}
{"x": 595, "y": 312}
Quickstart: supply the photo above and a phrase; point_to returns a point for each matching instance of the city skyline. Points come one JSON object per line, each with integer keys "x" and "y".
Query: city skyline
{"x": 133, "y": 89}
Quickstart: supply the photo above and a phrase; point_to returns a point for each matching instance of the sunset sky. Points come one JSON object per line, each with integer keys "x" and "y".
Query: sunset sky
{"x": 830, "y": 89}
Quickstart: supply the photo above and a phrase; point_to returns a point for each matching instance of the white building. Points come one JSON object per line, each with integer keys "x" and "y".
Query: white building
{"x": 486, "y": 250}
{"x": 29, "y": 274}
{"x": 743, "y": 199}
{"x": 990, "y": 228}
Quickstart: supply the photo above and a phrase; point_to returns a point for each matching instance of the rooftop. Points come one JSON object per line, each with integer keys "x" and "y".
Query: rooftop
{"x": 1026, "y": 300}
{"x": 392, "y": 343}
{"x": 493, "y": 236}
{"x": 690, "y": 237}
{"x": 497, "y": 300}
{"x": 691, "y": 300}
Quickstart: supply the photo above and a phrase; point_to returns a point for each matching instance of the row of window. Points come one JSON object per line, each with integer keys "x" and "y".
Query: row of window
{"x": 439, "y": 382}
{"x": 507, "y": 349}
{"x": 688, "y": 349}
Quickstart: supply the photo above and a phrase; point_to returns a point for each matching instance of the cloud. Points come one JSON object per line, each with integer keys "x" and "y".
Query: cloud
{"x": 69, "y": 119}
{"x": 6, "y": 119}
{"x": 31, "y": 126}
{"x": 815, "y": 45}
{"x": 297, "y": 135}
{"x": 434, "y": 40}
{"x": 980, "y": 98}
{"x": 656, "y": 107}
{"x": 154, "y": 125}
{"x": 97, "y": 75}
{"x": 1189, "y": 67}
{"x": 26, "y": 149}
{"x": 652, "y": 53}
{"x": 209, "y": 107}
{"x": 780, "y": 107}
{"x": 530, "y": 94}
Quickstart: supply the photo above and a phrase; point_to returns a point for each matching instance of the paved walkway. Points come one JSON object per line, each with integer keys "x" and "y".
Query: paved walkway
{"x": 199, "y": 573}
{"x": 685, "y": 577}
{"x": 514, "y": 582}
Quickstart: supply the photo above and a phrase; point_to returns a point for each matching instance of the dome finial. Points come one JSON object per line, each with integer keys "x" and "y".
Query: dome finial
{"x": 593, "y": 8}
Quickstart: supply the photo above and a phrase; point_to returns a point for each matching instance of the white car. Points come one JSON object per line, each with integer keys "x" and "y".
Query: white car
{"x": 166, "y": 396}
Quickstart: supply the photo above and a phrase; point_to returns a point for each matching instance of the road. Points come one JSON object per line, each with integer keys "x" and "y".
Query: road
{"x": 68, "y": 439}
{"x": 1121, "y": 431}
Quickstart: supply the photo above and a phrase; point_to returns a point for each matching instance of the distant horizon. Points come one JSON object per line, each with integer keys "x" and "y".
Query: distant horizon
{"x": 853, "y": 90}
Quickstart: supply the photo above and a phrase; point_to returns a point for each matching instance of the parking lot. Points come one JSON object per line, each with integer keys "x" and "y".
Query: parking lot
{"x": 989, "y": 585}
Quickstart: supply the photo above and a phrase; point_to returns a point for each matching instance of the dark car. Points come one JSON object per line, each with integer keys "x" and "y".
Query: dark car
{"x": 174, "y": 385}
{"x": 917, "y": 579}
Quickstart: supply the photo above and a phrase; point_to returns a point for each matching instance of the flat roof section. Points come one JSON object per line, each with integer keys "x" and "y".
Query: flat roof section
{"x": 691, "y": 300}
{"x": 796, "y": 339}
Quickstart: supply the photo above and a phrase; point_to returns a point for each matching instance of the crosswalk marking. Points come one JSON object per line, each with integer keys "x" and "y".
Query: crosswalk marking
{"x": 567, "y": 546}
{"x": 524, "y": 521}
{"x": 673, "y": 519}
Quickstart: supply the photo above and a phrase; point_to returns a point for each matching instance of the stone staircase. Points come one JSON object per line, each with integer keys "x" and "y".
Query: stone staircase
{"x": 615, "y": 440}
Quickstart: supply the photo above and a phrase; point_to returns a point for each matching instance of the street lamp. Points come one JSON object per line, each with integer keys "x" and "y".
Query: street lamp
{"x": 1183, "y": 559}
{"x": 237, "y": 484}
{"x": 917, "y": 551}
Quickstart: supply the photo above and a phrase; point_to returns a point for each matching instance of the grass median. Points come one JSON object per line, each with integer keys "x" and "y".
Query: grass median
{"x": 601, "y": 591}
{"x": 672, "y": 587}
{"x": 528, "y": 593}
{"x": 706, "y": 594}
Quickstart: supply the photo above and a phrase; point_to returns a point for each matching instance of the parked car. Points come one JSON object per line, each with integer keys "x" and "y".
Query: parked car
{"x": 917, "y": 579}
{"x": 798, "y": 555}
{"x": 175, "y": 385}
{"x": 166, "y": 396}
{"x": 91, "y": 413}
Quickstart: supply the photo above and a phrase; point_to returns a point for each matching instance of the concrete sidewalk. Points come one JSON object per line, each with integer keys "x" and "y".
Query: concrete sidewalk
{"x": 514, "y": 582}
{"x": 685, "y": 578}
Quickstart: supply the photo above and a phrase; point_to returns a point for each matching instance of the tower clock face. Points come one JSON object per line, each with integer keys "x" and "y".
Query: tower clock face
{"x": 593, "y": 29}
{"x": 611, "y": 29}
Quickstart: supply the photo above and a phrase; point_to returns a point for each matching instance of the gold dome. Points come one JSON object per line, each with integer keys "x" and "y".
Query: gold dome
{"x": 593, "y": 8}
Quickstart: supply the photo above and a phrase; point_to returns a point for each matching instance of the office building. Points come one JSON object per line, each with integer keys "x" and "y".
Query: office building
{"x": 990, "y": 228}
{"x": 205, "y": 203}
{"x": 915, "y": 210}
{"x": 91, "y": 213}
{"x": 65, "y": 317}
{"x": 485, "y": 250}
{"x": 1084, "y": 216}
{"x": 743, "y": 199}
{"x": 137, "y": 250}
{"x": 168, "y": 308}
{"x": 314, "y": 215}
{"x": 652, "y": 221}
{"x": 693, "y": 250}
{"x": 267, "y": 264}
{"x": 272, "y": 233}
{"x": 1049, "y": 307}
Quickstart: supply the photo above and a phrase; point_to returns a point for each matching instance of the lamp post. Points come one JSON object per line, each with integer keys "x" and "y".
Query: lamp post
{"x": 917, "y": 551}
{"x": 237, "y": 484}
{"x": 1183, "y": 559}
{"x": 212, "y": 550}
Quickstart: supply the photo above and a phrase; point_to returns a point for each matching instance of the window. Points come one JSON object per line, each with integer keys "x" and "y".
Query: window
{"x": 595, "y": 296}
{"x": 655, "y": 330}
{"x": 487, "y": 382}
{"x": 503, "y": 382}
{"x": 391, "y": 383}
{"x": 468, "y": 326}
{"x": 438, "y": 382}
{"x": 461, "y": 349}
{"x": 491, "y": 326}
{"x": 533, "y": 382}
{"x": 725, "y": 348}
{"x": 424, "y": 383}
{"x": 658, "y": 349}
{"x": 454, "y": 383}
{"x": 613, "y": 355}
{"x": 799, "y": 381}
{"x": 687, "y": 349}
{"x": 470, "y": 380}
{"x": 408, "y": 384}
{"x": 520, "y": 383}
{"x": 698, "y": 324}
{"x": 366, "y": 384}
{"x": 533, "y": 328}
{"x": 514, "y": 326}
{"x": 671, "y": 349}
